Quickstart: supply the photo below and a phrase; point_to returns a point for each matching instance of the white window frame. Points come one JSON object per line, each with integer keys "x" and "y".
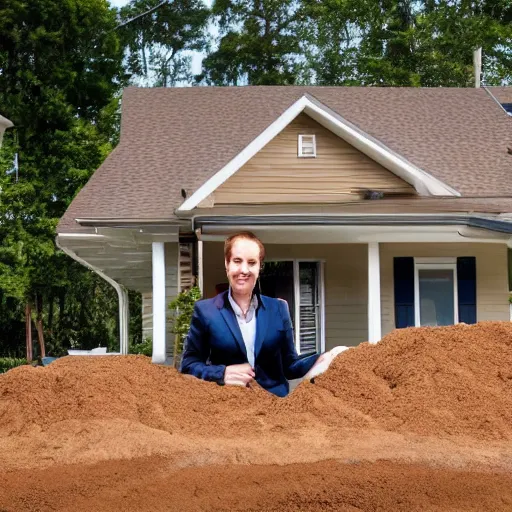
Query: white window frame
{"x": 434, "y": 264}
{"x": 300, "y": 154}
{"x": 296, "y": 293}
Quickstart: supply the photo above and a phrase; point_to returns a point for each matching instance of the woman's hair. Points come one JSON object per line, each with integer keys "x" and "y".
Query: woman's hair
{"x": 247, "y": 235}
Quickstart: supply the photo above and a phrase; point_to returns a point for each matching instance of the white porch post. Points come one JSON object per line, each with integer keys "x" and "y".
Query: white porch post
{"x": 159, "y": 306}
{"x": 124, "y": 319}
{"x": 200, "y": 269}
{"x": 374, "y": 317}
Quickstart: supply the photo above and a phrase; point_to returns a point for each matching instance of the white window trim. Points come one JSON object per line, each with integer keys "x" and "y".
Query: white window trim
{"x": 296, "y": 289}
{"x": 437, "y": 264}
{"x": 300, "y": 154}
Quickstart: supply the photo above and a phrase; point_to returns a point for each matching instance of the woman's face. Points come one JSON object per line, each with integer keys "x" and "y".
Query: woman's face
{"x": 244, "y": 266}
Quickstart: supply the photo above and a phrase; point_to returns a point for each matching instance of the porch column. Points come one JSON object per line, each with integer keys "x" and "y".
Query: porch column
{"x": 200, "y": 269}
{"x": 159, "y": 306}
{"x": 374, "y": 317}
{"x": 124, "y": 319}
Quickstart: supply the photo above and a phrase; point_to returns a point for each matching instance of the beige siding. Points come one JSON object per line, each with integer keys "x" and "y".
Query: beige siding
{"x": 346, "y": 282}
{"x": 171, "y": 290}
{"x": 338, "y": 173}
{"x": 491, "y": 276}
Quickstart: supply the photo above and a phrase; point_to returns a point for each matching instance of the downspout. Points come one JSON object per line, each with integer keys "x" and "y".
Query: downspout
{"x": 122, "y": 294}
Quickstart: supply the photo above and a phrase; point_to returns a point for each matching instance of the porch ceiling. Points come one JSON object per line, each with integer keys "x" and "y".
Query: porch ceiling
{"x": 123, "y": 254}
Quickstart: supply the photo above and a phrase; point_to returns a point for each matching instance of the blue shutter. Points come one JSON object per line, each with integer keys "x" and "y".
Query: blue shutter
{"x": 466, "y": 289}
{"x": 403, "y": 271}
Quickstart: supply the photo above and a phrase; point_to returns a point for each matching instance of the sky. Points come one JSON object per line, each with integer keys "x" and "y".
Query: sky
{"x": 196, "y": 56}
{"x": 118, "y": 3}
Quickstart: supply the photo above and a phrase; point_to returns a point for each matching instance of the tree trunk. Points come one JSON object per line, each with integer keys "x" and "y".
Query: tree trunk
{"x": 39, "y": 324}
{"x": 62, "y": 305}
{"x": 28, "y": 331}
{"x": 50, "y": 314}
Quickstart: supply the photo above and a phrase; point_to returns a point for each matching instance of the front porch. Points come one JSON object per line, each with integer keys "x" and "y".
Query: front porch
{"x": 340, "y": 280}
{"x": 356, "y": 282}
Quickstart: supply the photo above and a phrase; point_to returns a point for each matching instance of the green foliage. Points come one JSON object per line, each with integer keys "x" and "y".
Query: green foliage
{"x": 61, "y": 70}
{"x": 405, "y": 42}
{"x": 7, "y": 363}
{"x": 258, "y": 45}
{"x": 182, "y": 308}
{"x": 159, "y": 43}
{"x": 145, "y": 347}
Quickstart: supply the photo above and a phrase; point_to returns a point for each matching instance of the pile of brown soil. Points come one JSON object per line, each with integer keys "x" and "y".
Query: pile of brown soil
{"x": 431, "y": 381}
{"x": 426, "y": 396}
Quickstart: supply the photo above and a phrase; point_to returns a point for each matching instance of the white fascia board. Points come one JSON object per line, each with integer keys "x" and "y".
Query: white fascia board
{"x": 423, "y": 182}
{"x": 245, "y": 155}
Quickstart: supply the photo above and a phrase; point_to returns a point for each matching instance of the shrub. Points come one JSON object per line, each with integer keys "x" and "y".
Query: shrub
{"x": 144, "y": 348}
{"x": 7, "y": 363}
{"x": 182, "y": 307}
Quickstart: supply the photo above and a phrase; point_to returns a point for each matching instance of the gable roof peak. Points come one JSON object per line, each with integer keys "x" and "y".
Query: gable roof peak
{"x": 424, "y": 183}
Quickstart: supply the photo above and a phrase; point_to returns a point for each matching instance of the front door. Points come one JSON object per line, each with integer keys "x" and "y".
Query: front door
{"x": 300, "y": 284}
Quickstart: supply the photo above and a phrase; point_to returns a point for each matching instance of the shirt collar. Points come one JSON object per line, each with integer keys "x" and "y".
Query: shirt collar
{"x": 253, "y": 306}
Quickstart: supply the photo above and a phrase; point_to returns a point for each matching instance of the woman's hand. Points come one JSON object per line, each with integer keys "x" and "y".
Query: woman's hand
{"x": 239, "y": 374}
{"x": 324, "y": 361}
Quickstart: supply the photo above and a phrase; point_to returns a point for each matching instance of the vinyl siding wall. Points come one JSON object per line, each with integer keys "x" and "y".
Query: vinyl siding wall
{"x": 277, "y": 175}
{"x": 346, "y": 281}
{"x": 491, "y": 276}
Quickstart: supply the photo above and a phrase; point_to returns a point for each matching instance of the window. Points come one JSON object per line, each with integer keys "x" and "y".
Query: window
{"x": 435, "y": 288}
{"x": 307, "y": 146}
{"x": 300, "y": 283}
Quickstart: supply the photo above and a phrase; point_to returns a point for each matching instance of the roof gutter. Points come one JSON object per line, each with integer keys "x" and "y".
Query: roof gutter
{"x": 127, "y": 223}
{"x": 498, "y": 226}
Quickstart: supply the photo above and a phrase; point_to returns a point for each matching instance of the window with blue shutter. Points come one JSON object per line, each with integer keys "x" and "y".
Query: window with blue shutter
{"x": 403, "y": 271}
{"x": 434, "y": 280}
{"x": 466, "y": 289}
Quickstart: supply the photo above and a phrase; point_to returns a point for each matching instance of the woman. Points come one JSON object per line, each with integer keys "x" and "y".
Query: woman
{"x": 241, "y": 336}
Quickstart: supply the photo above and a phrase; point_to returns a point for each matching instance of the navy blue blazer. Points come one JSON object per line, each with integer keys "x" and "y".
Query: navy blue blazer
{"x": 215, "y": 341}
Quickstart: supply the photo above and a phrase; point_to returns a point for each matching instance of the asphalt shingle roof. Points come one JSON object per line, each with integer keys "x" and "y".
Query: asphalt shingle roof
{"x": 174, "y": 138}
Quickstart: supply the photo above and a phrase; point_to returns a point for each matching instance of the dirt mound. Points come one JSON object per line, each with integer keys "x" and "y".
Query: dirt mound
{"x": 432, "y": 381}
{"x": 123, "y": 387}
{"x": 452, "y": 381}
{"x": 434, "y": 404}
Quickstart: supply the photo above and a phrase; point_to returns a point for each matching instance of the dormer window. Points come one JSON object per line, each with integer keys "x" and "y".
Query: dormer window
{"x": 307, "y": 146}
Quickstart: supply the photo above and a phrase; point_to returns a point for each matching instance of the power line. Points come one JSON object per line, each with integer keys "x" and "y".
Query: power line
{"x": 153, "y": 9}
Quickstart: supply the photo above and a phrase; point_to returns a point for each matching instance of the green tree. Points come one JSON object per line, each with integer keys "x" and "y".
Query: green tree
{"x": 449, "y": 31}
{"x": 159, "y": 38}
{"x": 60, "y": 71}
{"x": 258, "y": 43}
{"x": 407, "y": 43}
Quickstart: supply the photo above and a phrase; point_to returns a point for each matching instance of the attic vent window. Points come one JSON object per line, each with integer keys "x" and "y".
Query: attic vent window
{"x": 307, "y": 146}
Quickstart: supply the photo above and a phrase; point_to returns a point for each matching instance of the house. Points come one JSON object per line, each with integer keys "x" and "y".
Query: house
{"x": 4, "y": 124}
{"x": 380, "y": 208}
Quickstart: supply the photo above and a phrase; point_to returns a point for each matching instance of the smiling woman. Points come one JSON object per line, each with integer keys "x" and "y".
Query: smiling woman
{"x": 242, "y": 336}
